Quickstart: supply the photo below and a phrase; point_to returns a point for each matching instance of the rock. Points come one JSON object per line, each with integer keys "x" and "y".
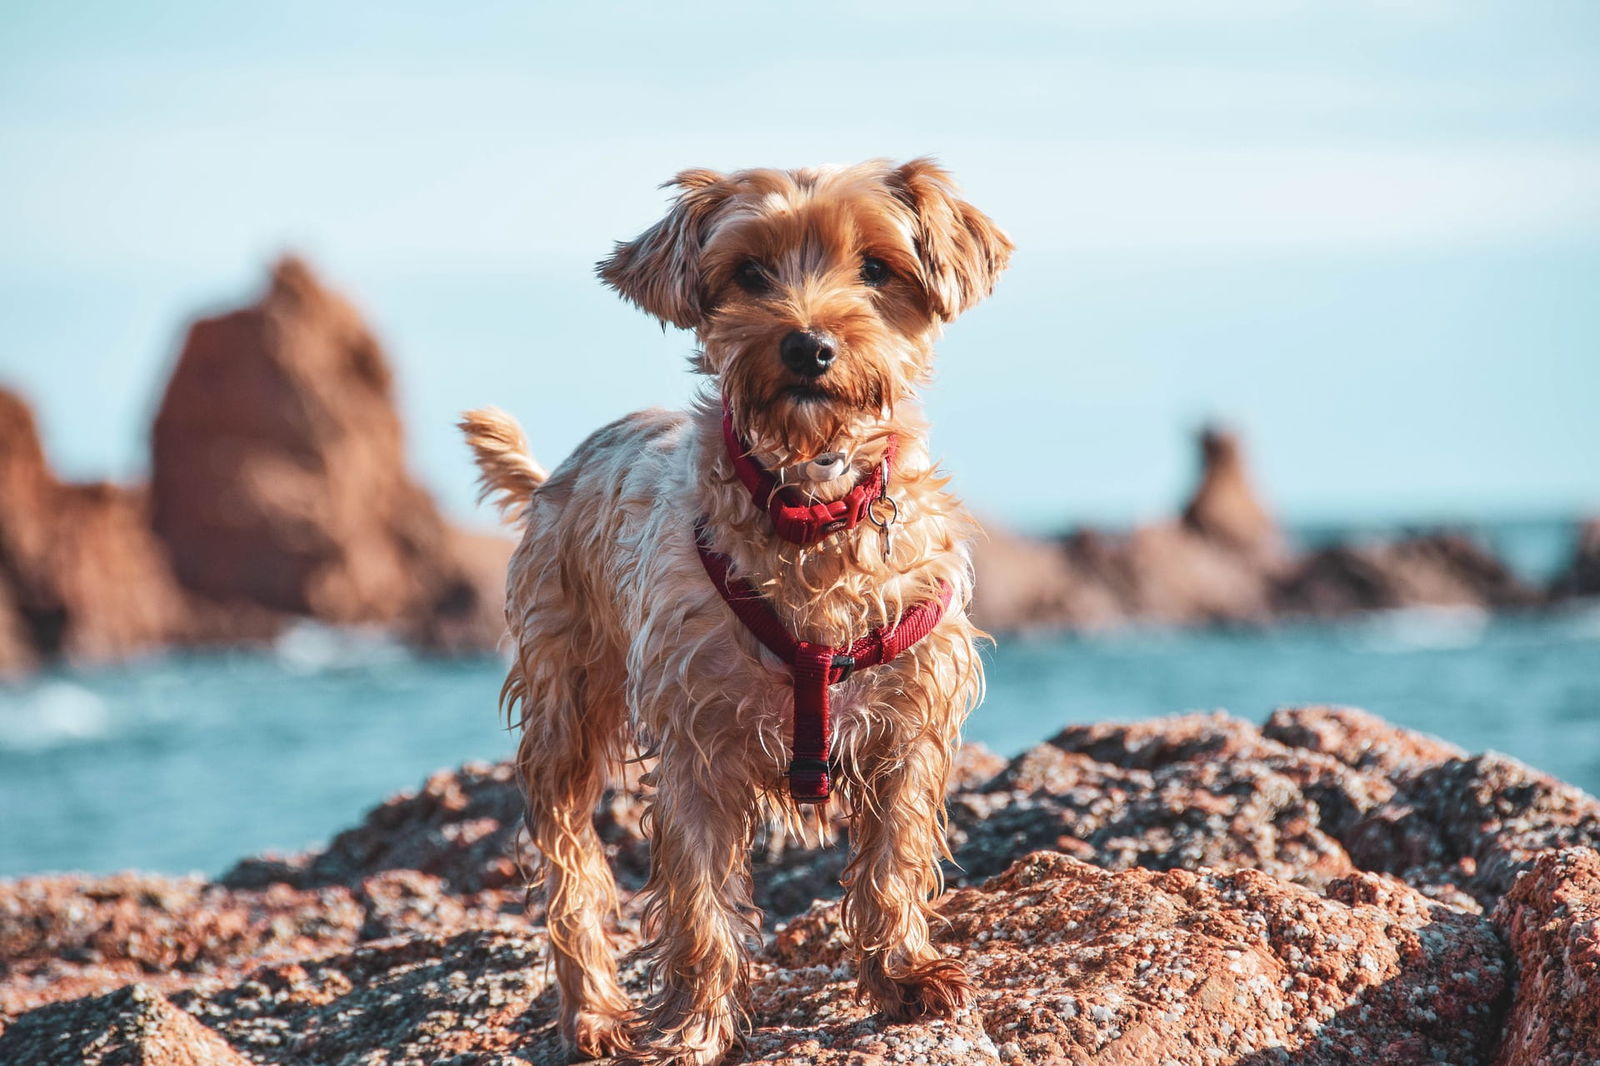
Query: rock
{"x": 1217, "y": 564}
{"x": 1158, "y": 742}
{"x": 1436, "y": 570}
{"x": 63, "y": 936}
{"x": 279, "y": 476}
{"x": 1185, "y": 578}
{"x": 461, "y": 826}
{"x": 18, "y": 655}
{"x": 1226, "y": 561}
{"x": 974, "y": 766}
{"x": 1307, "y": 892}
{"x": 1195, "y": 790}
{"x": 1582, "y": 575}
{"x": 423, "y": 1000}
{"x": 81, "y": 576}
{"x": 1361, "y": 740}
{"x": 1474, "y": 824}
{"x": 1026, "y": 584}
{"x": 1225, "y": 507}
{"x": 133, "y": 1026}
{"x": 73, "y": 936}
{"x": 465, "y": 827}
{"x": 1072, "y": 963}
{"x": 1551, "y": 918}
{"x": 1077, "y": 964}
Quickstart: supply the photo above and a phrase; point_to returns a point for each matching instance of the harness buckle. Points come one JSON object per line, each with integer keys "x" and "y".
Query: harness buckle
{"x": 808, "y": 780}
{"x": 846, "y": 664}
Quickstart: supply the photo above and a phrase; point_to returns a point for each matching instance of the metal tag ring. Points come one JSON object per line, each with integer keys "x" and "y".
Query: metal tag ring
{"x": 894, "y": 512}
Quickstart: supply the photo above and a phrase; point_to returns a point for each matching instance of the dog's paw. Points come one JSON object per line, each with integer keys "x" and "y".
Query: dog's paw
{"x": 704, "y": 1041}
{"x": 937, "y": 988}
{"x": 598, "y": 1035}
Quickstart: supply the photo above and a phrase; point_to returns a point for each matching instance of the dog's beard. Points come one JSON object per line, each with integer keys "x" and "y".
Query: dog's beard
{"x": 791, "y": 420}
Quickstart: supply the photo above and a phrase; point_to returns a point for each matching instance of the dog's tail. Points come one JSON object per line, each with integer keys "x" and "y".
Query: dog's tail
{"x": 508, "y": 475}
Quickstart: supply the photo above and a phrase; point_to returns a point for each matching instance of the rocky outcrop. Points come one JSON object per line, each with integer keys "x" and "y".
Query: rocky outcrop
{"x": 279, "y": 489}
{"x": 1227, "y": 561}
{"x": 1225, "y": 507}
{"x": 1191, "y": 890}
{"x": 133, "y": 1026}
{"x": 82, "y": 578}
{"x": 1218, "y": 563}
{"x": 1551, "y": 918}
{"x": 279, "y": 476}
{"x": 1582, "y": 575}
{"x": 1435, "y": 570}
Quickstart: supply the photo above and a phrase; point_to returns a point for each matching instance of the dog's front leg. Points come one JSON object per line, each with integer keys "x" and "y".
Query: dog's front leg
{"x": 699, "y": 912}
{"x": 897, "y": 837}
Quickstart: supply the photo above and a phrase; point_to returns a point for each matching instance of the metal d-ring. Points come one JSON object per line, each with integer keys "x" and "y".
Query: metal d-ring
{"x": 883, "y": 523}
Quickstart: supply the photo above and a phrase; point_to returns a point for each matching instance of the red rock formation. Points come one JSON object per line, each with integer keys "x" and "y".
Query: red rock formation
{"x": 1215, "y": 565}
{"x": 1076, "y": 964}
{"x": 279, "y": 476}
{"x": 1226, "y": 561}
{"x": 1225, "y": 506}
{"x": 18, "y": 655}
{"x": 1435, "y": 570}
{"x": 1551, "y": 917}
{"x": 133, "y": 1026}
{"x": 81, "y": 576}
{"x": 1231, "y": 914}
{"x": 1072, "y": 964}
{"x": 1582, "y": 575}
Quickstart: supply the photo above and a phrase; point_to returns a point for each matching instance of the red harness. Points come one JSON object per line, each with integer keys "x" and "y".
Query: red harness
{"x": 813, "y": 668}
{"x": 795, "y": 521}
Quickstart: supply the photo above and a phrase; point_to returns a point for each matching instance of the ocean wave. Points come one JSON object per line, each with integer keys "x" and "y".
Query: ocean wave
{"x": 50, "y": 714}
{"x": 314, "y": 648}
{"x": 1421, "y": 629}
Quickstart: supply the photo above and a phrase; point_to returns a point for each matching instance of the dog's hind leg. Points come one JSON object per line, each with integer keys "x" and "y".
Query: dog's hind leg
{"x": 572, "y": 733}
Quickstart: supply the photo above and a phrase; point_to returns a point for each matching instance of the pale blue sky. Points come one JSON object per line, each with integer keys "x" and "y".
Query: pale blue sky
{"x": 1367, "y": 233}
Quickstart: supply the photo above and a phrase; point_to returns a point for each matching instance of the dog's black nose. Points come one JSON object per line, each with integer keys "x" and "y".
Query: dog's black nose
{"x": 806, "y": 353}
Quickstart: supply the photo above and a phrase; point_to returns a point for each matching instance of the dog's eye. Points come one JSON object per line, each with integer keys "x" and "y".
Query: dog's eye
{"x": 875, "y": 271}
{"x": 751, "y": 277}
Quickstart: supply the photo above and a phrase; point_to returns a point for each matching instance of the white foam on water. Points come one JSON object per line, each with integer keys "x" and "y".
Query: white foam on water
{"x": 49, "y": 714}
{"x": 1411, "y": 629}
{"x": 314, "y": 648}
{"x": 1579, "y": 620}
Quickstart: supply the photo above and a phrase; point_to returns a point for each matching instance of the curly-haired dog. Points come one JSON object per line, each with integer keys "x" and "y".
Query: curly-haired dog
{"x": 766, "y": 592}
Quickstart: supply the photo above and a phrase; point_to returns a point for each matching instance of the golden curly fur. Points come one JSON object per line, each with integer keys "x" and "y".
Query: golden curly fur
{"x": 622, "y": 640}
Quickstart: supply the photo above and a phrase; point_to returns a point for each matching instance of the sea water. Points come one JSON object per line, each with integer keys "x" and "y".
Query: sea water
{"x": 186, "y": 763}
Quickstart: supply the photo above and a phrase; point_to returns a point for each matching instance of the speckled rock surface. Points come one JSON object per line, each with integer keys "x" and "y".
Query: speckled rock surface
{"x": 133, "y": 1026}
{"x": 1073, "y": 963}
{"x": 1241, "y": 898}
{"x": 1551, "y": 917}
{"x": 1473, "y": 824}
{"x": 1077, "y": 964}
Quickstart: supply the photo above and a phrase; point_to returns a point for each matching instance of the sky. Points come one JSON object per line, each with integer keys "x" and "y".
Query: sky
{"x": 1367, "y": 234}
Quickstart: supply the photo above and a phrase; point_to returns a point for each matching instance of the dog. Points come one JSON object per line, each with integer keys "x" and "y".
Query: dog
{"x": 766, "y": 594}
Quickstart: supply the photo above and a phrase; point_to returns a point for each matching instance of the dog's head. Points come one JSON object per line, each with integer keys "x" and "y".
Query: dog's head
{"x": 816, "y": 294}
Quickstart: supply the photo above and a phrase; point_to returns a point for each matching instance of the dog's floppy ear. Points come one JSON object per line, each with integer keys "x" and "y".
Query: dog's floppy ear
{"x": 961, "y": 250}
{"x": 659, "y": 270}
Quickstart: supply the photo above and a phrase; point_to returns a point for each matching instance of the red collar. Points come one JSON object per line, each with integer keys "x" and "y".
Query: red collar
{"x": 813, "y": 668}
{"x": 795, "y": 521}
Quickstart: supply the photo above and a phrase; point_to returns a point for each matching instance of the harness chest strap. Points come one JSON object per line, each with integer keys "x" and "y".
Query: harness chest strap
{"x": 814, "y": 668}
